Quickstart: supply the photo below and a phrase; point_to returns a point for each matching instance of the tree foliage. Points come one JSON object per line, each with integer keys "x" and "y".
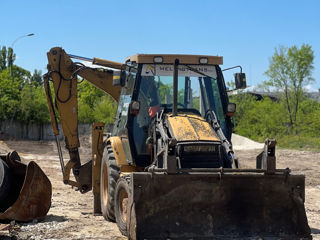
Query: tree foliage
{"x": 7, "y": 57}
{"x": 36, "y": 78}
{"x": 3, "y": 58}
{"x": 9, "y": 96}
{"x": 289, "y": 71}
{"x": 268, "y": 119}
{"x": 94, "y": 105}
{"x": 23, "y": 97}
{"x": 33, "y": 107}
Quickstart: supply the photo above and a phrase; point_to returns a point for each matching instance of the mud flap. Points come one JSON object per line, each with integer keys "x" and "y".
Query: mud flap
{"x": 213, "y": 205}
{"x": 30, "y": 195}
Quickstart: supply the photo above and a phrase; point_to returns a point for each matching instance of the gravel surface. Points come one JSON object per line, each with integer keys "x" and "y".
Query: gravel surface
{"x": 71, "y": 217}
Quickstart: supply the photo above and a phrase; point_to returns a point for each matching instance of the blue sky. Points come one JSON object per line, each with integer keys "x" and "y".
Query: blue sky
{"x": 243, "y": 32}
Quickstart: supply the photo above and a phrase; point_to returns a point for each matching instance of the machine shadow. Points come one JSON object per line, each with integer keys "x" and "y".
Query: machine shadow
{"x": 315, "y": 230}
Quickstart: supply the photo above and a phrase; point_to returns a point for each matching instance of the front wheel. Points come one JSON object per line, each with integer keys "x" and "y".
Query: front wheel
{"x": 121, "y": 205}
{"x": 109, "y": 176}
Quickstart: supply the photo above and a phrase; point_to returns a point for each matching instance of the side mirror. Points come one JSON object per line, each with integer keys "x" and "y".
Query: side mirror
{"x": 119, "y": 78}
{"x": 240, "y": 80}
{"x": 231, "y": 109}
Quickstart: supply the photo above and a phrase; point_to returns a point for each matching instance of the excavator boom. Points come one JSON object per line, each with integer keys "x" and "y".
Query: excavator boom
{"x": 63, "y": 72}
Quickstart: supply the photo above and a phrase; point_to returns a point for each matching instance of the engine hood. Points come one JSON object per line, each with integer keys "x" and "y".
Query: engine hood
{"x": 191, "y": 127}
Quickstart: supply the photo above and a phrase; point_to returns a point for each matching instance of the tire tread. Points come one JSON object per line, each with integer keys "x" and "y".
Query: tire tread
{"x": 113, "y": 176}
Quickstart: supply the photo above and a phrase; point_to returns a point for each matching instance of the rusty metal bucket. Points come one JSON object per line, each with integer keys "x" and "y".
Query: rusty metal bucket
{"x": 216, "y": 206}
{"x": 30, "y": 193}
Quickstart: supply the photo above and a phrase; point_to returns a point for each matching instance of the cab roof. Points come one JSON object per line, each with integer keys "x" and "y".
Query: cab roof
{"x": 170, "y": 58}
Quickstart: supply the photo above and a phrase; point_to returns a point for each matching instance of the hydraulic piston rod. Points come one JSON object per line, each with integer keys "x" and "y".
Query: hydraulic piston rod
{"x": 99, "y": 61}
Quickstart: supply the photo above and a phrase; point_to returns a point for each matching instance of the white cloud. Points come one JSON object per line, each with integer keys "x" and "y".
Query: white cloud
{"x": 310, "y": 88}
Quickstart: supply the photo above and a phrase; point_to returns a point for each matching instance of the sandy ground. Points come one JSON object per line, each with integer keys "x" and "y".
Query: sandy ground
{"x": 71, "y": 217}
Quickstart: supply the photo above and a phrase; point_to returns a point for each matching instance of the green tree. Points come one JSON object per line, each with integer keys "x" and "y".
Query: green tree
{"x": 11, "y": 57}
{"x": 3, "y": 58}
{"x": 289, "y": 71}
{"x": 105, "y": 110}
{"x": 308, "y": 123}
{"x": 36, "y": 78}
{"x": 94, "y": 105}
{"x": 21, "y": 75}
{"x": 88, "y": 94}
{"x": 7, "y": 58}
{"x": 261, "y": 119}
{"x": 33, "y": 107}
{"x": 9, "y": 96}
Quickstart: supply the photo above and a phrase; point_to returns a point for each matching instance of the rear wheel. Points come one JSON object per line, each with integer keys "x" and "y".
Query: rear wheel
{"x": 108, "y": 180}
{"x": 121, "y": 205}
{"x": 5, "y": 184}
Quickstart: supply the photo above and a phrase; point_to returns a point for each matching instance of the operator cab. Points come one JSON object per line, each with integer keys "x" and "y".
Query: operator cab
{"x": 149, "y": 86}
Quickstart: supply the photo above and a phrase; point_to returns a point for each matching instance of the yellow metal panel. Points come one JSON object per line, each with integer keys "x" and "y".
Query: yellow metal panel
{"x": 118, "y": 151}
{"x": 66, "y": 94}
{"x": 107, "y": 63}
{"x": 189, "y": 127}
{"x": 170, "y": 58}
{"x": 97, "y": 152}
{"x": 61, "y": 69}
{"x": 103, "y": 80}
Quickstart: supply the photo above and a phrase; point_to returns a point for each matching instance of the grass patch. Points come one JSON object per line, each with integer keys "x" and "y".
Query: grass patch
{"x": 299, "y": 143}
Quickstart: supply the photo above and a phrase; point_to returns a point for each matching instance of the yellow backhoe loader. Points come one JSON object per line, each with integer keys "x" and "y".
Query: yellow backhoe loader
{"x": 167, "y": 170}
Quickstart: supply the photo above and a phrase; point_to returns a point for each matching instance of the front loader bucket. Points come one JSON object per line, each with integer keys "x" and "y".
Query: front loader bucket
{"x": 30, "y": 193}
{"x": 216, "y": 206}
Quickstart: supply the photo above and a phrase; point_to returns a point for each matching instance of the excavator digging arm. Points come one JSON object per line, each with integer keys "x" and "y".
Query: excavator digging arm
{"x": 63, "y": 72}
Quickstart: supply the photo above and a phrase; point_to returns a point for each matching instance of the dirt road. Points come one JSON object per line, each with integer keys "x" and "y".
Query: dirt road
{"x": 70, "y": 216}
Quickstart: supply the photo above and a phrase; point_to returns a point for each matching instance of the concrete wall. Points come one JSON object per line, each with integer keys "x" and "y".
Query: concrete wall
{"x": 36, "y": 131}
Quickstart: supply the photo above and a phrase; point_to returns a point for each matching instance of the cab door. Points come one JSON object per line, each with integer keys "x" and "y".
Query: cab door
{"x": 120, "y": 127}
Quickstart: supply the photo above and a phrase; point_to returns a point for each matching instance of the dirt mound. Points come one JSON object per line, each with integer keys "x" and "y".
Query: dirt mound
{"x": 243, "y": 143}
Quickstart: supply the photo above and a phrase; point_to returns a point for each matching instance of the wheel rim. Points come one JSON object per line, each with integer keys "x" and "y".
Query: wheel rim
{"x": 123, "y": 203}
{"x": 105, "y": 183}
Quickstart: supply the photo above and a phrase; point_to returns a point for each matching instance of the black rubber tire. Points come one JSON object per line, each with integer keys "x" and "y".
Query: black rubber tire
{"x": 5, "y": 184}
{"x": 109, "y": 176}
{"x": 121, "y": 203}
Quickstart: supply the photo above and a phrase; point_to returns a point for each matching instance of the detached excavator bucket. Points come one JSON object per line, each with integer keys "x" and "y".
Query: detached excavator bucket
{"x": 216, "y": 206}
{"x": 29, "y": 194}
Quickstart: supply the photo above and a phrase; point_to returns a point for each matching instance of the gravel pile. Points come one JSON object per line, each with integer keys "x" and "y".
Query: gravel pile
{"x": 243, "y": 143}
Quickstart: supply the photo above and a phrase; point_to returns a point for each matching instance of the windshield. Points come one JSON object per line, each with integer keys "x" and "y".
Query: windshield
{"x": 198, "y": 91}
{"x": 197, "y": 87}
